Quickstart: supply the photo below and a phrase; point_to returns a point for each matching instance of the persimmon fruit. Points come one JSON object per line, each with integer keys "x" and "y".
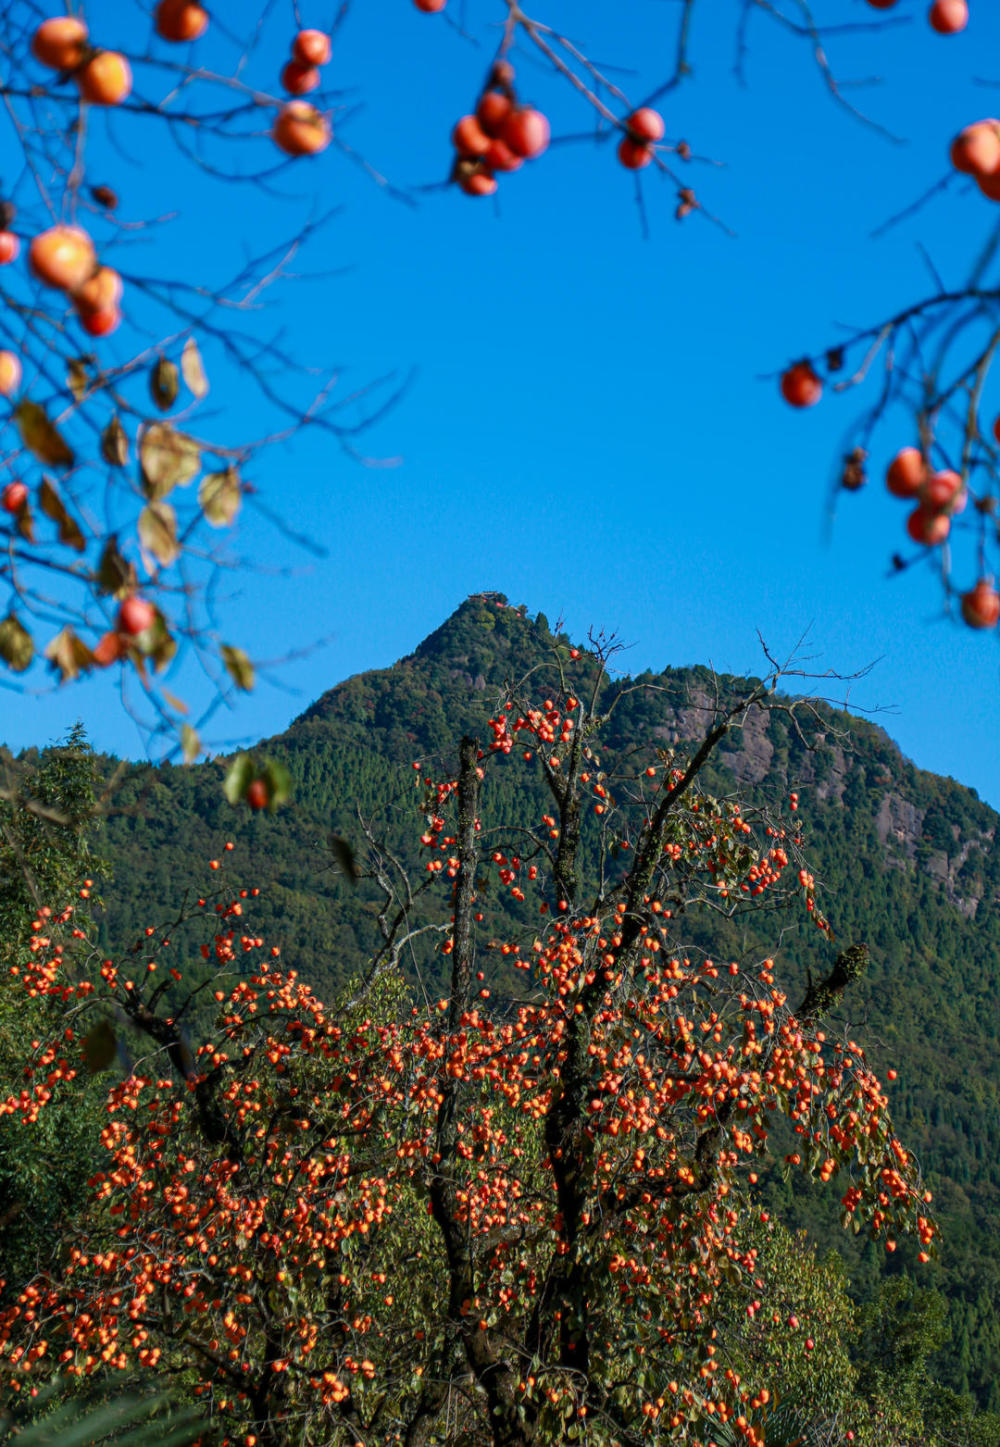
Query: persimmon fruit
{"x": 469, "y": 138}
{"x": 800, "y": 385}
{"x": 500, "y": 157}
{"x": 976, "y": 149}
{"x": 106, "y": 79}
{"x": 645, "y": 124}
{"x": 135, "y": 615}
{"x": 311, "y": 47}
{"x": 100, "y": 291}
{"x": 14, "y": 496}
{"x": 526, "y": 131}
{"x": 906, "y": 473}
{"x": 941, "y": 489}
{"x": 9, "y": 247}
{"x": 257, "y": 795}
{"x": 62, "y": 257}
{"x": 430, "y": 7}
{"x": 299, "y": 79}
{"x": 948, "y": 17}
{"x": 60, "y": 43}
{"x": 492, "y": 111}
{"x": 10, "y": 373}
{"x": 300, "y": 129}
{"x": 180, "y": 20}
{"x": 102, "y": 322}
{"x": 478, "y": 183}
{"x": 634, "y": 154}
{"x": 981, "y": 605}
{"x": 928, "y": 527}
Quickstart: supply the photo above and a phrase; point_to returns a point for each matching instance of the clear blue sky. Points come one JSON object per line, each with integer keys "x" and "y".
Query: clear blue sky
{"x": 587, "y": 429}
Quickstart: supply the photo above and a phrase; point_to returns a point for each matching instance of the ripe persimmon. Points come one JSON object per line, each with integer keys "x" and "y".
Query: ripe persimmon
{"x": 299, "y": 79}
{"x": 948, "y": 17}
{"x": 800, "y": 385}
{"x": 60, "y": 43}
{"x": 257, "y": 795}
{"x": 135, "y": 615}
{"x": 469, "y": 138}
{"x": 500, "y": 157}
{"x": 478, "y": 183}
{"x": 493, "y": 109}
{"x": 62, "y": 257}
{"x": 101, "y": 322}
{"x": 928, "y": 527}
{"x": 106, "y": 79}
{"x": 180, "y": 20}
{"x": 645, "y": 124}
{"x": 311, "y": 47}
{"x": 14, "y": 496}
{"x": 976, "y": 149}
{"x": 10, "y": 373}
{"x": 634, "y": 154}
{"x": 526, "y": 131}
{"x": 99, "y": 292}
{"x": 906, "y": 472}
{"x": 941, "y": 489}
{"x": 981, "y": 605}
{"x": 430, "y": 7}
{"x": 9, "y": 247}
{"x": 300, "y": 129}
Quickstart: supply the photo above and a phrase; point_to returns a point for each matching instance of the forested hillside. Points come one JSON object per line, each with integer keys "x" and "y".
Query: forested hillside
{"x": 906, "y": 861}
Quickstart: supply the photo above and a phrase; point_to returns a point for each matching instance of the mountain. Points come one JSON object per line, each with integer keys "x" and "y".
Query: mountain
{"x": 908, "y": 861}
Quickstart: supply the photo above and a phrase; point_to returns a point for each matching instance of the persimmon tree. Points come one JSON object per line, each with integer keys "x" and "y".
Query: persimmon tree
{"x": 501, "y": 1203}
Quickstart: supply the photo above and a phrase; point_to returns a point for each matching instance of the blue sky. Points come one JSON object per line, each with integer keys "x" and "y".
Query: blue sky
{"x": 590, "y": 426}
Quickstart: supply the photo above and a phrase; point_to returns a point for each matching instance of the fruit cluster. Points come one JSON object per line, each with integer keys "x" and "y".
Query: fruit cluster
{"x": 940, "y": 495}
{"x": 947, "y": 17}
{"x": 301, "y": 129}
{"x": 103, "y": 77}
{"x": 63, "y": 257}
{"x": 310, "y": 50}
{"x": 500, "y": 136}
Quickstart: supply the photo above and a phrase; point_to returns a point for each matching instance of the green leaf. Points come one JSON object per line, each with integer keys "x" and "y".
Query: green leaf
{"x": 164, "y": 383}
{"x": 158, "y": 532}
{"x": 238, "y": 778}
{"x": 168, "y": 459}
{"x": 40, "y": 436}
{"x": 114, "y": 443}
{"x": 193, "y": 369}
{"x": 238, "y": 666}
{"x": 17, "y": 647}
{"x": 278, "y": 781}
{"x": 219, "y": 496}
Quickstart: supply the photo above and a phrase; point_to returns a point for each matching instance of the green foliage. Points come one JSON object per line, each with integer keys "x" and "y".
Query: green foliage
{"x": 45, "y": 851}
